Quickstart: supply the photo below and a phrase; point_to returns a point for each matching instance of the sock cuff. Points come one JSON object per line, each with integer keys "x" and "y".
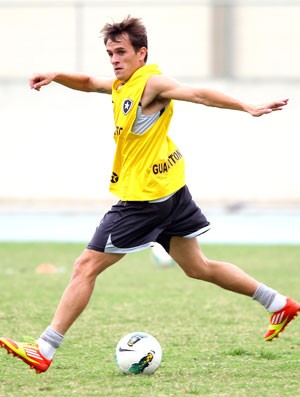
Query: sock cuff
{"x": 264, "y": 295}
{"x": 53, "y": 337}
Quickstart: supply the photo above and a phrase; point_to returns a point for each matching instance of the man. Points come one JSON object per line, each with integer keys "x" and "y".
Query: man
{"x": 148, "y": 177}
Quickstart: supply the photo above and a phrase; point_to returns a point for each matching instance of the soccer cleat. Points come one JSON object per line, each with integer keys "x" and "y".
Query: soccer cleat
{"x": 28, "y": 352}
{"x": 280, "y": 319}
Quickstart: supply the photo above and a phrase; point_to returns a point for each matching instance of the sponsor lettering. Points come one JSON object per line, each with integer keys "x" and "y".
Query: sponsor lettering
{"x": 114, "y": 178}
{"x": 161, "y": 168}
{"x": 118, "y": 131}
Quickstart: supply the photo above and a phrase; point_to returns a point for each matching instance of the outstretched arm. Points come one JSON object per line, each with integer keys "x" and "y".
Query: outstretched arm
{"x": 76, "y": 81}
{"x": 166, "y": 88}
{"x": 217, "y": 99}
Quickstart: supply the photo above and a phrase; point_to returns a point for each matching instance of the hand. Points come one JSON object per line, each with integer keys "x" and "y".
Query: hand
{"x": 40, "y": 79}
{"x": 260, "y": 110}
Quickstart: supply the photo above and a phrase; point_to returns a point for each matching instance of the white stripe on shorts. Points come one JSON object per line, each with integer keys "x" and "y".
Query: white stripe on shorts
{"x": 112, "y": 249}
{"x": 198, "y": 232}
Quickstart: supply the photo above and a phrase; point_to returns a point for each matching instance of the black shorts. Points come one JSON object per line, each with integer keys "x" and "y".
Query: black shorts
{"x": 134, "y": 225}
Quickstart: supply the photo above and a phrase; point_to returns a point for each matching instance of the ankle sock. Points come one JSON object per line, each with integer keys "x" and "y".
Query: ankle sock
{"x": 269, "y": 298}
{"x": 46, "y": 349}
{"x": 278, "y": 303}
{"x": 49, "y": 341}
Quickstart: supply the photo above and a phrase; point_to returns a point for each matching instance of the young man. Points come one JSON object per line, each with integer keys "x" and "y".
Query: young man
{"x": 148, "y": 177}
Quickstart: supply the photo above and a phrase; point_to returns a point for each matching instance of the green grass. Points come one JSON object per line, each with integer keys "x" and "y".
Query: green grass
{"x": 212, "y": 339}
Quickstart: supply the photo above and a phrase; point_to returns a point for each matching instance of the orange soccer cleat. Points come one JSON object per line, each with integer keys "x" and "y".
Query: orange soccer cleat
{"x": 27, "y": 352}
{"x": 280, "y": 319}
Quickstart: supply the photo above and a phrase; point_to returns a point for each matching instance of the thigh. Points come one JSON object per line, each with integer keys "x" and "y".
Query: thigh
{"x": 187, "y": 219}
{"x": 188, "y": 254}
{"x": 95, "y": 262}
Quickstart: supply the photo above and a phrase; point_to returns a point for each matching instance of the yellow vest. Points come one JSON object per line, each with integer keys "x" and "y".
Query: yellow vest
{"x": 147, "y": 166}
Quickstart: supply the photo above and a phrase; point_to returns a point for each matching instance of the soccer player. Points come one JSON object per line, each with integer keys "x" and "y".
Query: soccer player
{"x": 148, "y": 178}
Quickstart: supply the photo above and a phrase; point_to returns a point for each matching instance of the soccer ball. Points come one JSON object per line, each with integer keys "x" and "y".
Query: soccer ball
{"x": 138, "y": 353}
{"x": 160, "y": 256}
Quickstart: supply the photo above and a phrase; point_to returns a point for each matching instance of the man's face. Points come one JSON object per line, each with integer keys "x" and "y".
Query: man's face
{"x": 123, "y": 57}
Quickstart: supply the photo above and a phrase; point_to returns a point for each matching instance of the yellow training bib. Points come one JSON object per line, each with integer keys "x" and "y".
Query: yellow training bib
{"x": 146, "y": 166}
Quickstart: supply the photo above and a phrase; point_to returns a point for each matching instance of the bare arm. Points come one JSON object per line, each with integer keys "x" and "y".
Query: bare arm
{"x": 76, "y": 81}
{"x": 166, "y": 88}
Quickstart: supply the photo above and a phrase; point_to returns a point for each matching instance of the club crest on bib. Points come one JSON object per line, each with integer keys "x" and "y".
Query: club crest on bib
{"x": 127, "y": 105}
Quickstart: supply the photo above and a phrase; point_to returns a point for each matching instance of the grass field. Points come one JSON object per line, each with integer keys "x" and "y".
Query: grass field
{"x": 212, "y": 339}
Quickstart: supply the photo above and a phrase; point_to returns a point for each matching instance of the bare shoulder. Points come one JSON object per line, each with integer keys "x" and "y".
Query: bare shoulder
{"x": 156, "y": 86}
{"x": 160, "y": 83}
{"x": 167, "y": 88}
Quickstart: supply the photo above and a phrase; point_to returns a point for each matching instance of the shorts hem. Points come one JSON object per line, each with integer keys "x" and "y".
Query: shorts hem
{"x": 117, "y": 250}
{"x": 198, "y": 232}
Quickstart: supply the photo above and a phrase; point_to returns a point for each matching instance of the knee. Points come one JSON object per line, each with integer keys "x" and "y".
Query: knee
{"x": 86, "y": 266}
{"x": 200, "y": 270}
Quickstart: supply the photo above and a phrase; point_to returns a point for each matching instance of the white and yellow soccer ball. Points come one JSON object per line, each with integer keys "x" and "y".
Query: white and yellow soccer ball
{"x": 138, "y": 353}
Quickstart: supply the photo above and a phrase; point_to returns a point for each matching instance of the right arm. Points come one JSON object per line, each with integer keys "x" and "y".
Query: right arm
{"x": 76, "y": 81}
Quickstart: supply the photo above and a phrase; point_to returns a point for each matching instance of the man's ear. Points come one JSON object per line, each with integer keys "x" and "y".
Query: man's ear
{"x": 143, "y": 52}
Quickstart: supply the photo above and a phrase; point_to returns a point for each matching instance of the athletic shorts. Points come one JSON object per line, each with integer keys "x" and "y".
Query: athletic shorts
{"x": 131, "y": 226}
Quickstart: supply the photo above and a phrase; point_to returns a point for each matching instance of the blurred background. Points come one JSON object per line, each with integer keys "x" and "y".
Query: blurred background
{"x": 57, "y": 144}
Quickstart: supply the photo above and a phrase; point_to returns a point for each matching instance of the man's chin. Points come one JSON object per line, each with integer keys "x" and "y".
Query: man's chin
{"x": 119, "y": 74}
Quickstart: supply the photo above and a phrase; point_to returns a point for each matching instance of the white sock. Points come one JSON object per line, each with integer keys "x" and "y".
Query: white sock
{"x": 269, "y": 298}
{"x": 46, "y": 349}
{"x": 278, "y": 303}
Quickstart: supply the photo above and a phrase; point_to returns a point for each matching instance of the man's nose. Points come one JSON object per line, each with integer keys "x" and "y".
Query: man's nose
{"x": 114, "y": 58}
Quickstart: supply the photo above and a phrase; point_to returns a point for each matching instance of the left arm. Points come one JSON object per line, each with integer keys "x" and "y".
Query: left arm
{"x": 166, "y": 88}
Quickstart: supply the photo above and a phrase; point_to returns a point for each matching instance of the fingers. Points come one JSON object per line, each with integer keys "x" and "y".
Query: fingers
{"x": 278, "y": 105}
{"x": 273, "y": 107}
{"x": 31, "y": 82}
{"x": 34, "y": 85}
{"x": 37, "y": 81}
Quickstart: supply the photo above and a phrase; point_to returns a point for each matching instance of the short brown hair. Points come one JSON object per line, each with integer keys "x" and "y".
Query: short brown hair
{"x": 133, "y": 27}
